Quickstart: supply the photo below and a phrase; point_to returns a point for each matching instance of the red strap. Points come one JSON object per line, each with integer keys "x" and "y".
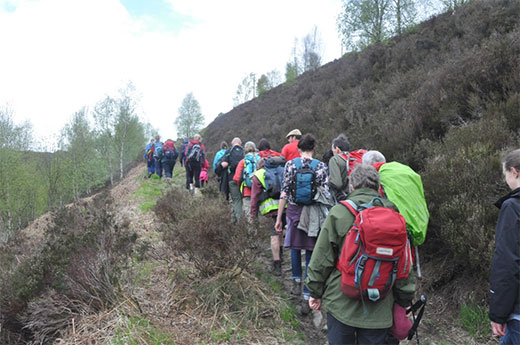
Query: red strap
{"x": 350, "y": 207}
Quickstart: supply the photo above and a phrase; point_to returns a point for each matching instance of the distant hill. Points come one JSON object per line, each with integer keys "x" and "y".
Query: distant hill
{"x": 443, "y": 97}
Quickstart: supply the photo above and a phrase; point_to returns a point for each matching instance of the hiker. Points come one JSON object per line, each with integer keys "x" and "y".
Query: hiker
{"x": 373, "y": 157}
{"x": 195, "y": 157}
{"x": 204, "y": 173}
{"x": 295, "y": 238}
{"x": 244, "y": 173}
{"x": 349, "y": 319}
{"x": 290, "y": 150}
{"x": 266, "y": 198}
{"x": 169, "y": 158}
{"x": 327, "y": 156}
{"x": 504, "y": 304}
{"x": 230, "y": 160}
{"x": 184, "y": 146}
{"x": 148, "y": 156}
{"x": 219, "y": 154}
{"x": 338, "y": 168}
{"x": 158, "y": 155}
{"x": 182, "y": 159}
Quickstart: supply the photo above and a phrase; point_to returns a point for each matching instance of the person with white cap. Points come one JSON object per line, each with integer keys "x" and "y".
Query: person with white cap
{"x": 290, "y": 151}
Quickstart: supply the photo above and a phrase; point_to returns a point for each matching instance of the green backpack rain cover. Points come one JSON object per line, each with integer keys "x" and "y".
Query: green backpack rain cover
{"x": 404, "y": 188}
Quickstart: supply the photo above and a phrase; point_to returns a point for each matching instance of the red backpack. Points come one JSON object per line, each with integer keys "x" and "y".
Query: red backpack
{"x": 353, "y": 158}
{"x": 376, "y": 251}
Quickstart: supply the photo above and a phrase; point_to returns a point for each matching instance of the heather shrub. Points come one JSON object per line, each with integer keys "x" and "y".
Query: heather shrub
{"x": 201, "y": 229}
{"x": 462, "y": 180}
{"x": 75, "y": 271}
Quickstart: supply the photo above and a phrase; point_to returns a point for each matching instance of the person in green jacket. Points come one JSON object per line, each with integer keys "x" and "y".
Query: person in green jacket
{"x": 351, "y": 321}
{"x": 338, "y": 168}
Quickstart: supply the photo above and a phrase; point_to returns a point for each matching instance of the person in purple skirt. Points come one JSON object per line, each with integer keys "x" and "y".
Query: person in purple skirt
{"x": 296, "y": 239}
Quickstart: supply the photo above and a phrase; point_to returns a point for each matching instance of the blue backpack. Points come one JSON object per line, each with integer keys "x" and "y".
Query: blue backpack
{"x": 159, "y": 151}
{"x": 249, "y": 168}
{"x": 304, "y": 187}
{"x": 273, "y": 176}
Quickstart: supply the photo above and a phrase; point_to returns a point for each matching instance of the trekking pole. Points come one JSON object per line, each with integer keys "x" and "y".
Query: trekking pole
{"x": 418, "y": 263}
{"x": 419, "y": 304}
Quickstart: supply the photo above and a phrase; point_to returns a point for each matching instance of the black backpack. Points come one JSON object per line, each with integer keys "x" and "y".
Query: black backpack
{"x": 195, "y": 153}
{"x": 235, "y": 154}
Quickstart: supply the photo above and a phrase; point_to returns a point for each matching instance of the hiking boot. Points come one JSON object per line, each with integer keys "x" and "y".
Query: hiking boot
{"x": 296, "y": 288}
{"x": 277, "y": 268}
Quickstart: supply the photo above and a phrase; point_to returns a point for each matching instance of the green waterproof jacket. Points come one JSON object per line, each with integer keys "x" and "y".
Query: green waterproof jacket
{"x": 323, "y": 279}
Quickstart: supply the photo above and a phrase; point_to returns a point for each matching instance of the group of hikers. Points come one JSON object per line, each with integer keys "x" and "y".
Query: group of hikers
{"x": 359, "y": 221}
{"x": 161, "y": 158}
{"x": 317, "y": 203}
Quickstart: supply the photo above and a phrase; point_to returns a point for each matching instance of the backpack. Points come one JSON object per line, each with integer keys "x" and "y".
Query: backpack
{"x": 273, "y": 176}
{"x": 304, "y": 185}
{"x": 403, "y": 186}
{"x": 158, "y": 151}
{"x": 249, "y": 169}
{"x": 195, "y": 153}
{"x": 235, "y": 154}
{"x": 352, "y": 159}
{"x": 169, "y": 150}
{"x": 150, "y": 152}
{"x": 376, "y": 251}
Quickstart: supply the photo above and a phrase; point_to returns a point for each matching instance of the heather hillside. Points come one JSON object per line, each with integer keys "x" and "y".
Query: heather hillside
{"x": 444, "y": 98}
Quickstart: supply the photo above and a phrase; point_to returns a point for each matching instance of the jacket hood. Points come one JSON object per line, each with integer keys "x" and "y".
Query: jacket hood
{"x": 513, "y": 194}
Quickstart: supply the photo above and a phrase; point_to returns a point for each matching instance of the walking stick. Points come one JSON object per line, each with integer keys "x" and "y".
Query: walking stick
{"x": 421, "y": 303}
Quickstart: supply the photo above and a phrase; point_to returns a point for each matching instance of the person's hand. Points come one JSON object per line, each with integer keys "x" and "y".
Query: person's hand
{"x": 498, "y": 328}
{"x": 224, "y": 164}
{"x": 315, "y": 303}
{"x": 278, "y": 225}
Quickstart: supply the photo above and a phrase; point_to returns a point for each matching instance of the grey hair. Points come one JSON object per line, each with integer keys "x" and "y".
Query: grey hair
{"x": 373, "y": 156}
{"x": 236, "y": 141}
{"x": 364, "y": 176}
{"x": 249, "y": 147}
{"x": 196, "y": 136}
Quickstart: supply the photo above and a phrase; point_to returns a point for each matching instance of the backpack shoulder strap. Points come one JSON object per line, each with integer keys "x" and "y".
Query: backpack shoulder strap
{"x": 297, "y": 162}
{"x": 351, "y": 206}
{"x": 314, "y": 164}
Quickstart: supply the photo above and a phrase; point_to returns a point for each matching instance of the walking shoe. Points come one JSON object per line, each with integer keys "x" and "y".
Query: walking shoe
{"x": 296, "y": 288}
{"x": 277, "y": 268}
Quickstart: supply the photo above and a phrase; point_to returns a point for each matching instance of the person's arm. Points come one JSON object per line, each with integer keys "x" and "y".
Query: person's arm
{"x": 325, "y": 254}
{"x": 256, "y": 190}
{"x": 335, "y": 180}
{"x": 505, "y": 268}
{"x": 238, "y": 172}
{"x": 281, "y": 209}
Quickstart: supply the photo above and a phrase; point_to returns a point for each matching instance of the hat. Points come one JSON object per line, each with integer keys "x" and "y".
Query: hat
{"x": 293, "y": 132}
{"x": 402, "y": 324}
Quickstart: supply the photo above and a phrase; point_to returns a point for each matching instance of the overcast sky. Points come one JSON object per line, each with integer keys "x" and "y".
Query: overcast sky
{"x": 60, "y": 55}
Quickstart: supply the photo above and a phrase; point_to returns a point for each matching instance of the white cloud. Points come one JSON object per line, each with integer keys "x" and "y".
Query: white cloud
{"x": 60, "y": 55}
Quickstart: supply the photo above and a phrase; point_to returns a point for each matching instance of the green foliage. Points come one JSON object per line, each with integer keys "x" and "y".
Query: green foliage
{"x": 138, "y": 330}
{"x": 149, "y": 192}
{"x": 475, "y": 320}
{"x": 190, "y": 119}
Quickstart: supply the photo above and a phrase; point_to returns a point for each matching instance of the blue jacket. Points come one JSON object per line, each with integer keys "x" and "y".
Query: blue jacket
{"x": 217, "y": 157}
{"x": 148, "y": 146}
{"x": 505, "y": 268}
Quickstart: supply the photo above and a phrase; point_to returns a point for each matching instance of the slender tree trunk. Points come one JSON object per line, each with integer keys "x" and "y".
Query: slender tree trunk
{"x": 121, "y": 155}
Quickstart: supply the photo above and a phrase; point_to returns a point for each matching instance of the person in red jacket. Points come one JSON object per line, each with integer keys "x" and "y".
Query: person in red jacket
{"x": 290, "y": 151}
{"x": 204, "y": 173}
